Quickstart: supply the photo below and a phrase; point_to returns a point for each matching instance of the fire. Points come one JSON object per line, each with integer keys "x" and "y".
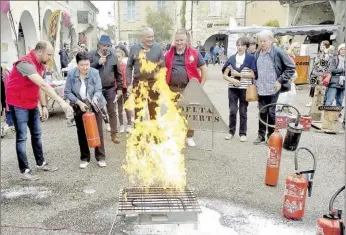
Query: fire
{"x": 154, "y": 148}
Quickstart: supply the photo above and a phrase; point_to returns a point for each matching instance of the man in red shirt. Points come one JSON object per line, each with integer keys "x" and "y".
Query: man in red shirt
{"x": 22, "y": 96}
{"x": 184, "y": 63}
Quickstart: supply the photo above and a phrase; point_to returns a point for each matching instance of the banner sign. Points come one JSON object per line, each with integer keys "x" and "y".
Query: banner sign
{"x": 53, "y": 33}
{"x": 199, "y": 110}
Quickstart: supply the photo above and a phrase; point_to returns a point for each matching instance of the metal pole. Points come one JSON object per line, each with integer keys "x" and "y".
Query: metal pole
{"x": 199, "y": 125}
{"x": 212, "y": 133}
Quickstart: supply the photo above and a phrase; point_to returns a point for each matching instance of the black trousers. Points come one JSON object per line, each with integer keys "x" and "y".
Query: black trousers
{"x": 82, "y": 140}
{"x": 267, "y": 114}
{"x": 235, "y": 95}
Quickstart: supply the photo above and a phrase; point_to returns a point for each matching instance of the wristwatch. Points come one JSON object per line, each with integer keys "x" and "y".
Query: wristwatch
{"x": 43, "y": 106}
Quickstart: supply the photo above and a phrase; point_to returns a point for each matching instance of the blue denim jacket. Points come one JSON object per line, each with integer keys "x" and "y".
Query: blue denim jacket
{"x": 92, "y": 82}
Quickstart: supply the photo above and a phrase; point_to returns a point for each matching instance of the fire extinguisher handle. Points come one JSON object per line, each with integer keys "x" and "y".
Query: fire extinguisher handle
{"x": 331, "y": 202}
{"x": 296, "y": 162}
{"x": 284, "y": 105}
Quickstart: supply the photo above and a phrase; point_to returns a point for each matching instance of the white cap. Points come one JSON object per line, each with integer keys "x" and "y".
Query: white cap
{"x": 341, "y": 46}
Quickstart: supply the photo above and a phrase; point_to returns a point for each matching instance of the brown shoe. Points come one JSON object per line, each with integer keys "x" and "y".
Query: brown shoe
{"x": 115, "y": 138}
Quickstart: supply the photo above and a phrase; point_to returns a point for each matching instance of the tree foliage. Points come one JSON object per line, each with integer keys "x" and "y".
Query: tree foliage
{"x": 110, "y": 30}
{"x": 161, "y": 22}
{"x": 272, "y": 23}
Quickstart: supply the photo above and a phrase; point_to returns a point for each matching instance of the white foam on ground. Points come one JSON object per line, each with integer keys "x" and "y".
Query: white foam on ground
{"x": 33, "y": 192}
{"x": 89, "y": 191}
{"x": 239, "y": 221}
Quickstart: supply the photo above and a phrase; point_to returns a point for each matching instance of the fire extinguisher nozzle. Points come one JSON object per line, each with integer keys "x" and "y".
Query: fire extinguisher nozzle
{"x": 310, "y": 183}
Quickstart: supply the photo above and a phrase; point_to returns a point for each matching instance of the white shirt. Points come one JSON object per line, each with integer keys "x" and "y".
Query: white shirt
{"x": 239, "y": 60}
{"x": 83, "y": 90}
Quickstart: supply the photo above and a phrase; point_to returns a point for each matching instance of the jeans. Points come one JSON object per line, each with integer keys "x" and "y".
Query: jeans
{"x": 267, "y": 114}
{"x": 109, "y": 94}
{"x": 82, "y": 139}
{"x": 23, "y": 118}
{"x": 9, "y": 119}
{"x": 234, "y": 95}
{"x": 335, "y": 93}
{"x": 121, "y": 102}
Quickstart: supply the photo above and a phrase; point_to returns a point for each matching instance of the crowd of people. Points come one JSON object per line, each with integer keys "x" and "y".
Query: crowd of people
{"x": 102, "y": 80}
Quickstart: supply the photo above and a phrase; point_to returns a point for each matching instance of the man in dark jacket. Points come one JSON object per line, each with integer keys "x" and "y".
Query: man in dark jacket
{"x": 105, "y": 61}
{"x": 274, "y": 72}
{"x": 64, "y": 59}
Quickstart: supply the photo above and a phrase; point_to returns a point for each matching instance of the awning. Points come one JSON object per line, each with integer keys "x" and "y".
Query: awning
{"x": 309, "y": 30}
{"x": 5, "y": 6}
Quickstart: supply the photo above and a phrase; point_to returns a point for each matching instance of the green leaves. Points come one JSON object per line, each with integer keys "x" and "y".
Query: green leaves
{"x": 161, "y": 22}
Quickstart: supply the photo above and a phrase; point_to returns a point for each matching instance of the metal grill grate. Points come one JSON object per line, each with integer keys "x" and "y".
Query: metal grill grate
{"x": 156, "y": 200}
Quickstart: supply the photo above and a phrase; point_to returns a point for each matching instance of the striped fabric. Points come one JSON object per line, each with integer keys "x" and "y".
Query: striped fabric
{"x": 244, "y": 82}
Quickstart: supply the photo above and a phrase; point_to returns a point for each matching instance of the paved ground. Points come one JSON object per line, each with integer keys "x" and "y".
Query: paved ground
{"x": 229, "y": 183}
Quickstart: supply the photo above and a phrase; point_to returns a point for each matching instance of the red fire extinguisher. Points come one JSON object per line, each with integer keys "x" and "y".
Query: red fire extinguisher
{"x": 275, "y": 144}
{"x": 91, "y": 129}
{"x": 297, "y": 185}
{"x": 274, "y": 156}
{"x": 331, "y": 224}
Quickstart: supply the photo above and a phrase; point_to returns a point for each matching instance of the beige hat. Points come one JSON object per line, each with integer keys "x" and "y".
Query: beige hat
{"x": 341, "y": 46}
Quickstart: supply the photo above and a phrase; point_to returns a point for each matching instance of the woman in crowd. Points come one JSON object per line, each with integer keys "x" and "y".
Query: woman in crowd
{"x": 122, "y": 99}
{"x": 84, "y": 91}
{"x": 239, "y": 71}
{"x": 9, "y": 125}
{"x": 320, "y": 66}
{"x": 336, "y": 86}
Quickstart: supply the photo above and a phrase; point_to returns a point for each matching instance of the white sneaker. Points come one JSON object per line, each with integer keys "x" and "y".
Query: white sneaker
{"x": 190, "y": 142}
{"x": 243, "y": 138}
{"x": 228, "y": 137}
{"x": 27, "y": 175}
{"x": 129, "y": 129}
{"x": 108, "y": 127}
{"x": 122, "y": 129}
{"x": 83, "y": 165}
{"x": 4, "y": 130}
{"x": 309, "y": 104}
{"x": 102, "y": 163}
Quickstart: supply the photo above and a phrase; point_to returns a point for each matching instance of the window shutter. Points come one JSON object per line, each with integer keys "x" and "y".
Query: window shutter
{"x": 218, "y": 8}
{"x": 211, "y": 8}
{"x": 137, "y": 11}
{"x": 125, "y": 10}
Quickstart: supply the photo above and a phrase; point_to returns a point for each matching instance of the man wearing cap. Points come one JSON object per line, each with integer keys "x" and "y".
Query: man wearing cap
{"x": 104, "y": 60}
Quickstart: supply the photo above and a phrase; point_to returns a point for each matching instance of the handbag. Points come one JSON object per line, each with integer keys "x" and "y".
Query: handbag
{"x": 251, "y": 93}
{"x": 326, "y": 79}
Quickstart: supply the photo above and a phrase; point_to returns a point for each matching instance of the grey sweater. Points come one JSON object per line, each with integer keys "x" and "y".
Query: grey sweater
{"x": 155, "y": 55}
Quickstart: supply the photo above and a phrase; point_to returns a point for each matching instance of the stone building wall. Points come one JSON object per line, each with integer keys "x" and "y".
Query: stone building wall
{"x": 203, "y": 25}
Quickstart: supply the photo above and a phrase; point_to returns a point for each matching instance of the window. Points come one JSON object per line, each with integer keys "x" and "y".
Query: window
{"x": 161, "y": 4}
{"x": 133, "y": 38}
{"x": 131, "y": 10}
{"x": 214, "y": 8}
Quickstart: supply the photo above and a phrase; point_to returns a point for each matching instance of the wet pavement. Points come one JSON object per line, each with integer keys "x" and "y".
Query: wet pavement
{"x": 228, "y": 182}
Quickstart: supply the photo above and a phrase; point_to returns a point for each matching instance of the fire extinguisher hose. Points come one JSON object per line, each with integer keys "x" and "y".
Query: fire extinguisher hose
{"x": 283, "y": 106}
{"x": 331, "y": 203}
{"x": 312, "y": 172}
{"x": 296, "y": 162}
